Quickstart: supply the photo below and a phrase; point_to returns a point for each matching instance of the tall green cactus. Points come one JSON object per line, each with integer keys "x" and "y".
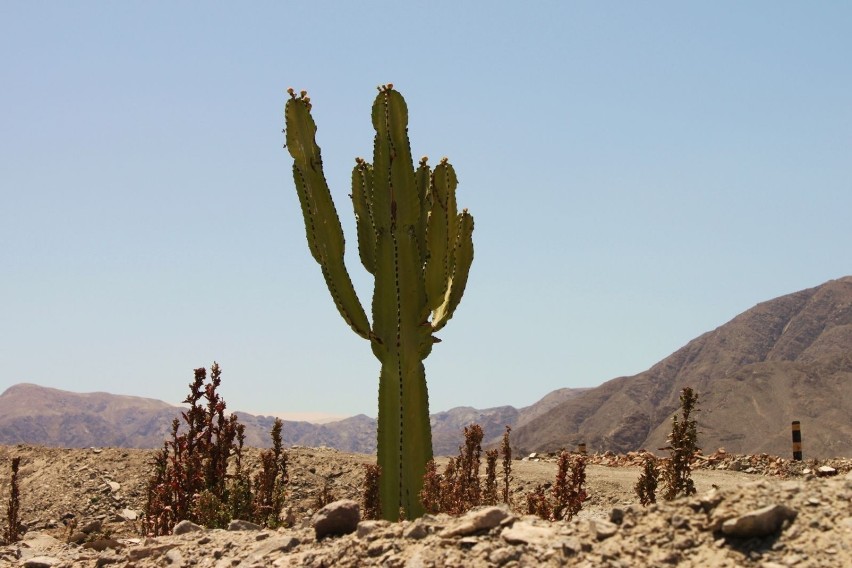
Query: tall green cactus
{"x": 417, "y": 246}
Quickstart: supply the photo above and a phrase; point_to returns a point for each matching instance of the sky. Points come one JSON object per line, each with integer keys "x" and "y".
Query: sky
{"x": 639, "y": 174}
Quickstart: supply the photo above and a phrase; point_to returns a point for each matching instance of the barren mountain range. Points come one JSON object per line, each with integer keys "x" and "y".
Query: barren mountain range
{"x": 34, "y": 414}
{"x": 786, "y": 359}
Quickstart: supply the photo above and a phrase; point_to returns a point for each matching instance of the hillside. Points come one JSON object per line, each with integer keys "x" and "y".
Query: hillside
{"x": 33, "y": 414}
{"x": 786, "y": 359}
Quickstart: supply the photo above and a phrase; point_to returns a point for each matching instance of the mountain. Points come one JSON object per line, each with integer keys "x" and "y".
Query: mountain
{"x": 786, "y": 359}
{"x": 33, "y": 414}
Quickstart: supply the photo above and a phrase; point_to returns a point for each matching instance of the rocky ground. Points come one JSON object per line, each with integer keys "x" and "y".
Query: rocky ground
{"x": 81, "y": 507}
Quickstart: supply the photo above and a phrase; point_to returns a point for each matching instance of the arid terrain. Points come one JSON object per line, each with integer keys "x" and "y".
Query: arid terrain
{"x": 748, "y": 511}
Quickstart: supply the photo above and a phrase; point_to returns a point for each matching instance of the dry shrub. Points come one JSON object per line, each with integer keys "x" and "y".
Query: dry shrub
{"x": 191, "y": 479}
{"x": 459, "y": 489}
{"x": 683, "y": 444}
{"x": 568, "y": 493}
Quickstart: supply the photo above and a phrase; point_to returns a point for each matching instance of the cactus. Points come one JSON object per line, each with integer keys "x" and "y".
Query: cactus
{"x": 419, "y": 249}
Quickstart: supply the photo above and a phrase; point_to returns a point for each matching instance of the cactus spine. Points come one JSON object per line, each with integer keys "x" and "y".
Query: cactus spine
{"x": 419, "y": 249}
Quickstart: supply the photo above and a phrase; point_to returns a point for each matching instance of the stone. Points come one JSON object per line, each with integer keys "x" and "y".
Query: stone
{"x": 826, "y": 471}
{"x": 113, "y": 486}
{"x": 477, "y": 520}
{"x": 78, "y": 537}
{"x": 129, "y": 514}
{"x": 137, "y": 554}
{"x": 274, "y": 545}
{"x": 92, "y": 526}
{"x": 175, "y": 558}
{"x": 524, "y": 533}
{"x": 367, "y": 529}
{"x": 416, "y": 531}
{"x": 759, "y": 523}
{"x": 241, "y": 525}
{"x": 602, "y": 529}
{"x": 336, "y": 519}
{"x": 185, "y": 526}
{"x": 41, "y": 562}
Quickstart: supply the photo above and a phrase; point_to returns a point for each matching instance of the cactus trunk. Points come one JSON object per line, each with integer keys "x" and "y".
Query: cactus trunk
{"x": 418, "y": 248}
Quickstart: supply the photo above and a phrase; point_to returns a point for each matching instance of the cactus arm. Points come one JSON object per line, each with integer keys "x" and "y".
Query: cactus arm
{"x": 463, "y": 257}
{"x": 441, "y": 232}
{"x": 362, "y": 196}
{"x": 322, "y": 225}
{"x": 423, "y": 176}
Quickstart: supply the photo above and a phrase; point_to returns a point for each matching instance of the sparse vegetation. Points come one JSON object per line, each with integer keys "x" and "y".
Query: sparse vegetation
{"x": 568, "y": 493}
{"x": 370, "y": 500}
{"x": 506, "y": 451}
{"x": 459, "y": 489}
{"x": 324, "y": 496}
{"x": 683, "y": 443}
{"x": 489, "y": 492}
{"x": 191, "y": 478}
{"x": 13, "y": 521}
{"x": 646, "y": 486}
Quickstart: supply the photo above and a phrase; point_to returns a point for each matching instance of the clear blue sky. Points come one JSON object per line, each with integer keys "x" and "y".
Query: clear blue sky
{"x": 640, "y": 173}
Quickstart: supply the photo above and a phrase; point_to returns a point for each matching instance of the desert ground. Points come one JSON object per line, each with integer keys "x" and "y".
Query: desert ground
{"x": 82, "y": 507}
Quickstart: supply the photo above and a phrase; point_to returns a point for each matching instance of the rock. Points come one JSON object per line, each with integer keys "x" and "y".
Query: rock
{"x": 113, "y": 486}
{"x": 523, "y": 532}
{"x": 92, "y": 526}
{"x": 759, "y": 523}
{"x": 273, "y": 545}
{"x": 185, "y": 526}
{"x": 41, "y": 562}
{"x": 476, "y": 521}
{"x": 129, "y": 514}
{"x": 367, "y": 529}
{"x": 501, "y": 556}
{"x": 139, "y": 553}
{"x": 240, "y": 525}
{"x": 336, "y": 519}
{"x": 78, "y": 537}
{"x": 825, "y": 471}
{"x": 602, "y": 529}
{"x": 175, "y": 558}
{"x": 416, "y": 530}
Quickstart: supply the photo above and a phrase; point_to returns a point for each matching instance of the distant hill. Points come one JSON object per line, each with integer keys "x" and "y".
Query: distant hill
{"x": 786, "y": 359}
{"x": 39, "y": 415}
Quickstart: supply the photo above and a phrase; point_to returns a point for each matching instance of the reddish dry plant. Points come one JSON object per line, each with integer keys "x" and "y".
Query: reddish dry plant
{"x": 324, "y": 497}
{"x": 489, "y": 493}
{"x": 13, "y": 530}
{"x": 506, "y": 450}
{"x": 537, "y": 503}
{"x": 683, "y": 444}
{"x": 568, "y": 493}
{"x": 191, "y": 477}
{"x": 646, "y": 486}
{"x": 370, "y": 499}
{"x": 271, "y": 481}
{"x": 458, "y": 490}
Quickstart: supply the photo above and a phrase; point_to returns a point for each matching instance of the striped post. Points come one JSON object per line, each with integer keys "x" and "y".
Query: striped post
{"x": 797, "y": 440}
{"x": 581, "y": 447}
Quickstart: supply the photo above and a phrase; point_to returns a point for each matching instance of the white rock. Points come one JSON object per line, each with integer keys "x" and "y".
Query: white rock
{"x": 525, "y": 533}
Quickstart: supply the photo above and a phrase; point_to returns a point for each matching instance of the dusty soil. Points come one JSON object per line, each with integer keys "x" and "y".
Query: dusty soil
{"x": 64, "y": 490}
